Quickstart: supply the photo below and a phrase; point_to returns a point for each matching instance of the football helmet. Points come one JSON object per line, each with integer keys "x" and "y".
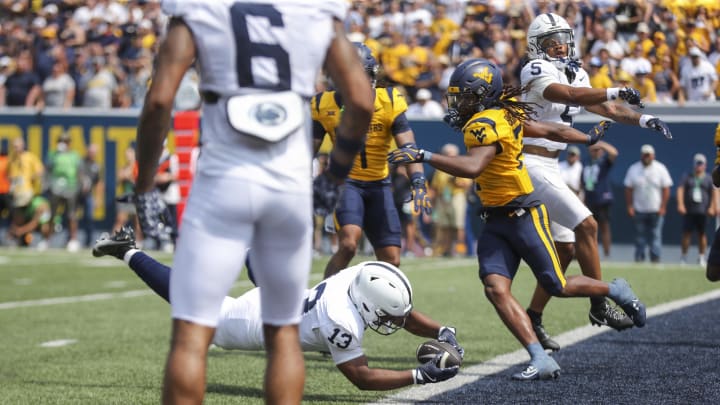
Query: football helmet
{"x": 368, "y": 60}
{"x": 475, "y": 85}
{"x": 383, "y": 296}
{"x": 546, "y": 31}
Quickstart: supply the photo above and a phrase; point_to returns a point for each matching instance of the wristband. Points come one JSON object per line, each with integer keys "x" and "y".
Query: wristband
{"x": 589, "y": 139}
{"x": 613, "y": 93}
{"x": 416, "y": 377}
{"x": 450, "y": 328}
{"x": 644, "y": 119}
{"x": 417, "y": 176}
{"x": 427, "y": 155}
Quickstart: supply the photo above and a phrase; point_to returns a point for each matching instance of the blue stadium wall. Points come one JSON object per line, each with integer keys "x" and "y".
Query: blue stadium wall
{"x": 693, "y": 130}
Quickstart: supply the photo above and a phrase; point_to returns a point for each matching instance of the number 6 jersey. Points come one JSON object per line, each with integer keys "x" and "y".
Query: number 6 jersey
{"x": 258, "y": 61}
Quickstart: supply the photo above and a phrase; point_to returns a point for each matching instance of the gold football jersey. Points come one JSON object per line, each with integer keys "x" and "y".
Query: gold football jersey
{"x": 371, "y": 163}
{"x": 506, "y": 177}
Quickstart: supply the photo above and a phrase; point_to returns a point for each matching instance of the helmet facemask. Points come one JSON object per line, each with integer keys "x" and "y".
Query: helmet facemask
{"x": 553, "y": 39}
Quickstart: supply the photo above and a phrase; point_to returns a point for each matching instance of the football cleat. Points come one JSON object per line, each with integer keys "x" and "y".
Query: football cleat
{"x": 545, "y": 369}
{"x": 633, "y": 307}
{"x": 116, "y": 245}
{"x": 607, "y": 315}
{"x": 545, "y": 340}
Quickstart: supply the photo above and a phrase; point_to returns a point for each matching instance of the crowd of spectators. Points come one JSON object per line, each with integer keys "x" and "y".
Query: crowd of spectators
{"x": 98, "y": 53}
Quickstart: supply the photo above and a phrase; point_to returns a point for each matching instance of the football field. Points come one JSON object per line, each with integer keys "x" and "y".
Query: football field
{"x": 81, "y": 330}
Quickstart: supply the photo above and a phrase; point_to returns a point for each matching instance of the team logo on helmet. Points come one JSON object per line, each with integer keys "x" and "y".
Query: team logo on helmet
{"x": 474, "y": 86}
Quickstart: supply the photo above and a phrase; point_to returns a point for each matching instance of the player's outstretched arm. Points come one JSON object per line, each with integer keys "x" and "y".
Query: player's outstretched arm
{"x": 380, "y": 379}
{"x": 588, "y": 96}
{"x": 469, "y": 166}
{"x": 422, "y": 325}
{"x": 628, "y": 116}
{"x": 563, "y": 133}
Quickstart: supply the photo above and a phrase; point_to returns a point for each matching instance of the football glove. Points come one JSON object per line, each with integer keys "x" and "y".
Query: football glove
{"x": 408, "y": 153}
{"x": 419, "y": 194}
{"x": 658, "y": 125}
{"x": 326, "y": 193}
{"x": 447, "y": 334}
{"x": 597, "y": 132}
{"x": 154, "y": 216}
{"x": 452, "y": 118}
{"x": 631, "y": 96}
{"x": 431, "y": 373}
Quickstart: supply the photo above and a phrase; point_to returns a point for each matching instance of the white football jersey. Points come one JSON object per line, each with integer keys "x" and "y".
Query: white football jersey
{"x": 258, "y": 47}
{"x": 330, "y": 321}
{"x": 539, "y": 74}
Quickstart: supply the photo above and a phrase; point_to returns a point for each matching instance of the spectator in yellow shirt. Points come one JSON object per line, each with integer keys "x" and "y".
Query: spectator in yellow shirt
{"x": 444, "y": 29}
{"x": 25, "y": 171}
{"x": 644, "y": 83}
{"x": 599, "y": 77}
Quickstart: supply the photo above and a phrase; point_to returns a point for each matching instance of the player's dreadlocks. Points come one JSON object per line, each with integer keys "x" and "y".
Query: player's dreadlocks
{"x": 515, "y": 110}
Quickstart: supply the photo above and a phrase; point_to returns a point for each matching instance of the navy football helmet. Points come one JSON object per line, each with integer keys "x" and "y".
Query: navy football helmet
{"x": 475, "y": 85}
{"x": 368, "y": 60}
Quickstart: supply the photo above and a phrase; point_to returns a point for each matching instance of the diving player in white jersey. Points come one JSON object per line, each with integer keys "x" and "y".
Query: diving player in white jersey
{"x": 257, "y": 70}
{"x": 336, "y": 312}
{"x": 560, "y": 88}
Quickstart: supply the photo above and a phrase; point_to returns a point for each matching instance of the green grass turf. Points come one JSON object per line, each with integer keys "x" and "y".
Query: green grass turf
{"x": 122, "y": 339}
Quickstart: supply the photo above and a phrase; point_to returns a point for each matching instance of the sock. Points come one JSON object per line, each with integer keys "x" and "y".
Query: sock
{"x": 536, "y": 351}
{"x": 597, "y": 301}
{"x": 535, "y": 317}
{"x": 620, "y": 293}
{"x": 155, "y": 274}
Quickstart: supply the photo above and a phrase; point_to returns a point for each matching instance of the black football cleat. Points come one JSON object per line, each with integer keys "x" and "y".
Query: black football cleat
{"x": 607, "y": 315}
{"x": 116, "y": 245}
{"x": 545, "y": 340}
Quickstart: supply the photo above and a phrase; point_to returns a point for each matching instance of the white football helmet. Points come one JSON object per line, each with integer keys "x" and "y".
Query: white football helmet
{"x": 548, "y": 30}
{"x": 383, "y": 296}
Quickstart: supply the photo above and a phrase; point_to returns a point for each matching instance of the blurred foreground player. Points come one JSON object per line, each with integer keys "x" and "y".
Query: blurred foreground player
{"x": 258, "y": 71}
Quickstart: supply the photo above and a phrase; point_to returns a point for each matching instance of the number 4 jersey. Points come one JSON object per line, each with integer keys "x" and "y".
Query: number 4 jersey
{"x": 330, "y": 322}
{"x": 538, "y": 74}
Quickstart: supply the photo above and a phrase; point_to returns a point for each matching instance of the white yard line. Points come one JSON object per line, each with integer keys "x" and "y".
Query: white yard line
{"x": 469, "y": 375}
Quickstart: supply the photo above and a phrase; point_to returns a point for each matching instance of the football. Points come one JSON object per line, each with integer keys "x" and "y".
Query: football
{"x": 428, "y": 350}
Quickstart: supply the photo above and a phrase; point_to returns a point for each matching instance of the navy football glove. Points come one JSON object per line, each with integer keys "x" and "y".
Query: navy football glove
{"x": 631, "y": 96}
{"x": 326, "y": 193}
{"x": 431, "y": 373}
{"x": 597, "y": 132}
{"x": 153, "y": 215}
{"x": 419, "y": 194}
{"x": 447, "y": 334}
{"x": 408, "y": 153}
{"x": 658, "y": 125}
{"x": 452, "y": 118}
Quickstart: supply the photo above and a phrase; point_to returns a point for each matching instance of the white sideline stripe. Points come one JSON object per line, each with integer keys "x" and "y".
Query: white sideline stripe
{"x": 70, "y": 300}
{"x": 140, "y": 293}
{"x": 469, "y": 375}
